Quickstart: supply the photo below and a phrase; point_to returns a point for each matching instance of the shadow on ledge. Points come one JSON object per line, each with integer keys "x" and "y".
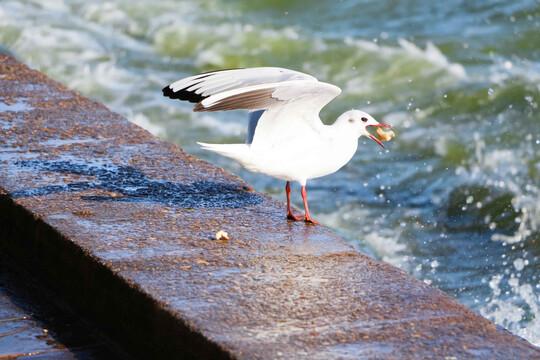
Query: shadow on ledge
{"x": 135, "y": 186}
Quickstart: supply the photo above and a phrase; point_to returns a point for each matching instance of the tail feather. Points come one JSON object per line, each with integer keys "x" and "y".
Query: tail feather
{"x": 238, "y": 152}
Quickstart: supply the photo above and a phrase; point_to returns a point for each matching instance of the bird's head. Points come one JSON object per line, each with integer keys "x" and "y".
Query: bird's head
{"x": 358, "y": 122}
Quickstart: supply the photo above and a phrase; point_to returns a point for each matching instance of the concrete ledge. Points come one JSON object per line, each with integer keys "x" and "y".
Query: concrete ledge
{"x": 119, "y": 224}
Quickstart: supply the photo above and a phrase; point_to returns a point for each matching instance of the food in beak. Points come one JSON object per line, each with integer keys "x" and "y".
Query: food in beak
{"x": 385, "y": 135}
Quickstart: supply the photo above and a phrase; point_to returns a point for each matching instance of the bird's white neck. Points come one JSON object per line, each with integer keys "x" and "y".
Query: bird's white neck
{"x": 341, "y": 142}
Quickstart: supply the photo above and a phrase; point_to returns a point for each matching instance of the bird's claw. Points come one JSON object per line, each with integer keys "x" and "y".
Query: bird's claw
{"x": 311, "y": 221}
{"x": 293, "y": 217}
{"x": 307, "y": 219}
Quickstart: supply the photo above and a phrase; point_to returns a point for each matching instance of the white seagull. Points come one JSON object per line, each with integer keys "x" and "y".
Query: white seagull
{"x": 286, "y": 138}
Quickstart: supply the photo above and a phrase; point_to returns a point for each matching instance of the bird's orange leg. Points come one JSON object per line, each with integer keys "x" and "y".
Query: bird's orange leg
{"x": 307, "y": 218}
{"x": 290, "y": 215}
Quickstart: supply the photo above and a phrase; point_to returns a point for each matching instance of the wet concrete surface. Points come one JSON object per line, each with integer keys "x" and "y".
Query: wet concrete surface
{"x": 32, "y": 326}
{"x": 121, "y": 226}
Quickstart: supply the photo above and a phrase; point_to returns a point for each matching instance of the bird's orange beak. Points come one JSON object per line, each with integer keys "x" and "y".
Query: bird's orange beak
{"x": 373, "y": 137}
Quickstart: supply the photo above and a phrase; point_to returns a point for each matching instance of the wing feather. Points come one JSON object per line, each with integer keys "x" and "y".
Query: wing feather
{"x": 198, "y": 87}
{"x": 255, "y": 97}
{"x": 289, "y": 99}
{"x": 309, "y": 95}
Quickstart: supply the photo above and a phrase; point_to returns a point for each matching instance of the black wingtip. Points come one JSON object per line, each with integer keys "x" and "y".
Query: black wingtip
{"x": 168, "y": 92}
{"x": 183, "y": 94}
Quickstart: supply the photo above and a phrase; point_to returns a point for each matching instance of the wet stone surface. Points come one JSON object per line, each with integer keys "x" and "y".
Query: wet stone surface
{"x": 134, "y": 186}
{"x": 122, "y": 226}
{"x": 32, "y": 326}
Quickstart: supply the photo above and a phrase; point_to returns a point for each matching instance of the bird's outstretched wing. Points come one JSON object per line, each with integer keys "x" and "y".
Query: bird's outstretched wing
{"x": 198, "y": 87}
{"x": 290, "y": 98}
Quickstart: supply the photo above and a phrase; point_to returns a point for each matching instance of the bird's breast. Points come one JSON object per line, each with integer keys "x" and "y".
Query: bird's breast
{"x": 304, "y": 158}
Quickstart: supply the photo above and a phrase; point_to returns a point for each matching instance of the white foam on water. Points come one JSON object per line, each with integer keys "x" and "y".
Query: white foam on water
{"x": 105, "y": 76}
{"x": 225, "y": 128}
{"x": 430, "y": 54}
{"x": 433, "y": 55}
{"x": 143, "y": 121}
{"x": 502, "y": 167}
{"x": 503, "y": 70}
{"x": 388, "y": 248}
{"x": 515, "y": 299}
{"x": 106, "y": 13}
{"x": 210, "y": 57}
{"x": 397, "y": 118}
{"x": 56, "y": 5}
{"x": 517, "y": 310}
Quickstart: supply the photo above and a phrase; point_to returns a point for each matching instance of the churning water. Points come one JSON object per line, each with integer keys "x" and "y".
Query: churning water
{"x": 454, "y": 200}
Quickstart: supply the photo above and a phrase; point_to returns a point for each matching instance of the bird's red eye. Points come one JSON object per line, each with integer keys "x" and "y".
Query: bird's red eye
{"x": 364, "y": 119}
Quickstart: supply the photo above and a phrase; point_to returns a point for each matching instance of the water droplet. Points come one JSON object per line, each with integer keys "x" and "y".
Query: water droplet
{"x": 513, "y": 282}
{"x": 519, "y": 264}
{"x": 494, "y": 284}
{"x": 434, "y": 264}
{"x": 469, "y": 199}
{"x": 490, "y": 91}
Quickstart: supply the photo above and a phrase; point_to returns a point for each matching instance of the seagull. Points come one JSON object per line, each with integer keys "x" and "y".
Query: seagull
{"x": 286, "y": 139}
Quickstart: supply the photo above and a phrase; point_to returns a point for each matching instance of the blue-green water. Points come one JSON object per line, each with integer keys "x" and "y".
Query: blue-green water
{"x": 454, "y": 200}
